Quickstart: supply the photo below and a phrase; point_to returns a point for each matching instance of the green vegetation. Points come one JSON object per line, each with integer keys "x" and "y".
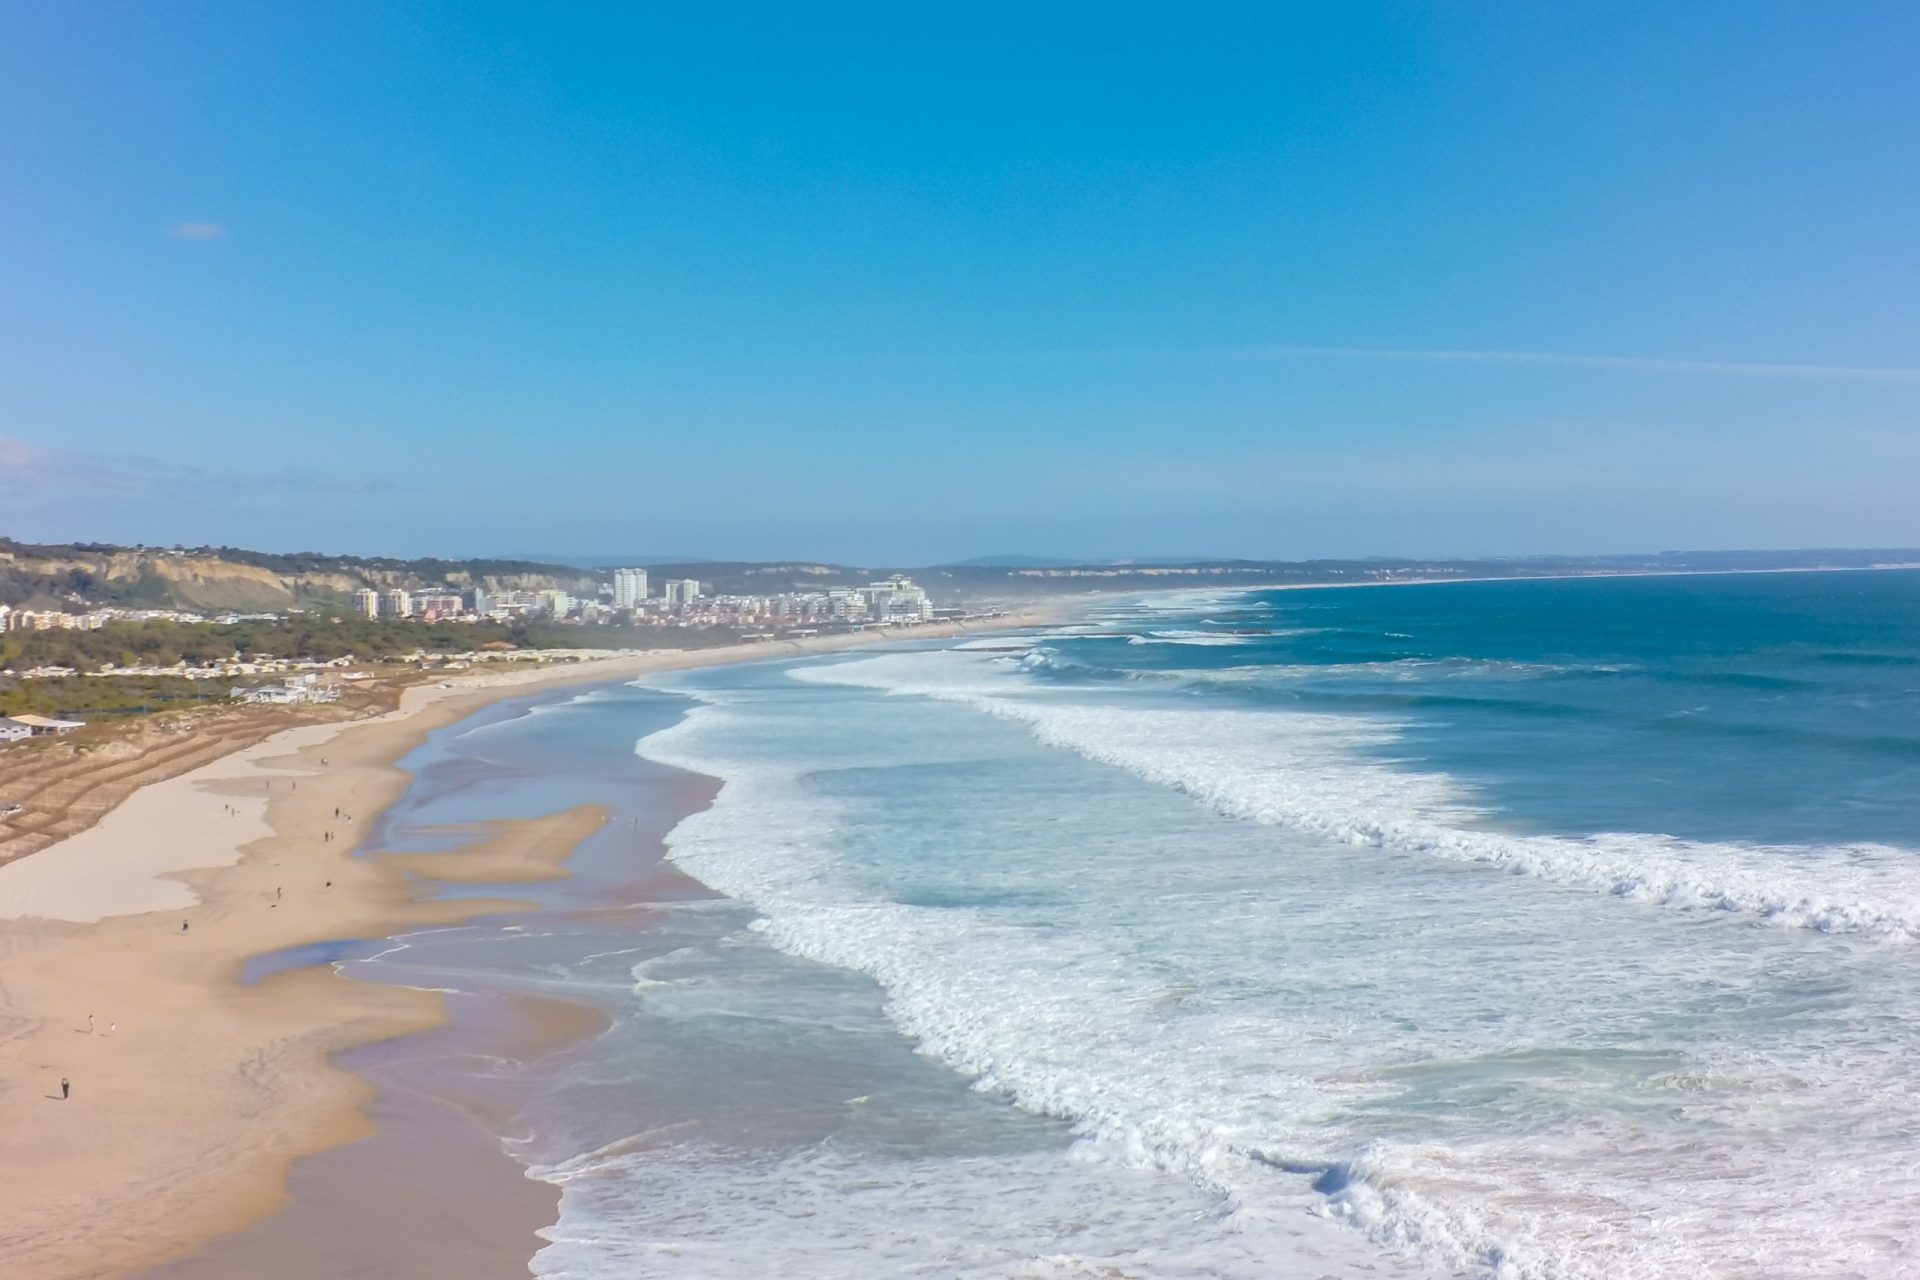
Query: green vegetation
{"x": 303, "y": 638}
{"x": 311, "y": 637}
{"x": 88, "y": 699}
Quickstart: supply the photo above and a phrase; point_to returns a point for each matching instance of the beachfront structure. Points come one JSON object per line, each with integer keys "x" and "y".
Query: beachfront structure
{"x": 844, "y": 604}
{"x": 366, "y": 602}
{"x": 41, "y": 725}
{"x": 396, "y": 603}
{"x": 897, "y": 600}
{"x": 629, "y": 588}
{"x": 682, "y": 592}
{"x": 436, "y": 604}
{"x": 285, "y": 694}
{"x": 52, "y": 620}
{"x": 507, "y": 604}
{"x": 13, "y": 731}
{"x": 556, "y": 603}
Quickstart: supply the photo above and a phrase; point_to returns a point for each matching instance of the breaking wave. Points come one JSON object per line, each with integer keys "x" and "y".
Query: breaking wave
{"x": 1324, "y": 775}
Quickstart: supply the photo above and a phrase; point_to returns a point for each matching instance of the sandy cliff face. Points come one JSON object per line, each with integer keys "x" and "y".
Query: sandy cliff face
{"x": 325, "y": 585}
{"x": 143, "y": 578}
{"x": 204, "y": 582}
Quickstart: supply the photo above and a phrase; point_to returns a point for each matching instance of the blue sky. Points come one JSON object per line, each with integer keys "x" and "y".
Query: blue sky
{"x": 906, "y": 283}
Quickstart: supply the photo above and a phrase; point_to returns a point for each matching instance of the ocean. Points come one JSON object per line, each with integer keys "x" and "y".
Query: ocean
{"x": 1511, "y": 929}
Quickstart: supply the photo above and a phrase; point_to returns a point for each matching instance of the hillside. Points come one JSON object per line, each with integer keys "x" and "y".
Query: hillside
{"x": 226, "y": 578}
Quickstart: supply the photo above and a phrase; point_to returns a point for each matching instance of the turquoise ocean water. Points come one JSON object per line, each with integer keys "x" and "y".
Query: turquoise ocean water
{"x": 1524, "y": 929}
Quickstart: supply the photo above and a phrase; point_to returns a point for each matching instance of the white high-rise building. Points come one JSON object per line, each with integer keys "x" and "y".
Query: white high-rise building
{"x": 899, "y": 599}
{"x": 396, "y": 603}
{"x": 556, "y": 603}
{"x": 629, "y": 588}
{"x": 366, "y": 602}
{"x": 689, "y": 590}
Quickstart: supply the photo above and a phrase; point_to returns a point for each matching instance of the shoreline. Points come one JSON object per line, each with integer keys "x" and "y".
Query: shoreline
{"x": 194, "y": 1095}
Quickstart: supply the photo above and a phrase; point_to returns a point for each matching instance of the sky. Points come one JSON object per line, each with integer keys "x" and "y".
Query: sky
{"x": 910, "y": 283}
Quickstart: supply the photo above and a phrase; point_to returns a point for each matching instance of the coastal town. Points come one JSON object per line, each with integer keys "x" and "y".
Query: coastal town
{"x": 628, "y": 599}
{"x": 165, "y": 658}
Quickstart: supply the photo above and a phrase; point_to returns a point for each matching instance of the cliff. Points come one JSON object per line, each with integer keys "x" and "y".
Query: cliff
{"x": 220, "y": 578}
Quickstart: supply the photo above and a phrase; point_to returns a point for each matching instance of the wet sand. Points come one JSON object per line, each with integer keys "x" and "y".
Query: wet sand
{"x": 429, "y": 1193}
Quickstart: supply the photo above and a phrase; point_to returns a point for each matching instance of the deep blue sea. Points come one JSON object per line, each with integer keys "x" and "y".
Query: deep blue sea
{"x": 1516, "y": 929}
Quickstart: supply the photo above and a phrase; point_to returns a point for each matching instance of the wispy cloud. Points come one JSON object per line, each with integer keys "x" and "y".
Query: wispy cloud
{"x": 1568, "y": 359}
{"x": 32, "y": 476}
{"x": 196, "y": 231}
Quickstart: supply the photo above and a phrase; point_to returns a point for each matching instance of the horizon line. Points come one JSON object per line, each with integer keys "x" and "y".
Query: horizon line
{"x": 1655, "y": 364}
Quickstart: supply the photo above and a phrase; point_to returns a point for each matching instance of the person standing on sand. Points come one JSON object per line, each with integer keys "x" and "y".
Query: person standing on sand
{"x": 89, "y": 1024}
{"x": 66, "y": 1090}
{"x": 183, "y": 926}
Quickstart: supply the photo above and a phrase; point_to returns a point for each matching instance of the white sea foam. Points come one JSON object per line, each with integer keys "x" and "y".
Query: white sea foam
{"x": 1094, "y": 1021}
{"x": 1325, "y": 775}
{"x": 1398, "y": 670}
{"x": 964, "y": 988}
{"x": 996, "y": 644}
{"x": 1194, "y": 600}
{"x": 1202, "y": 638}
{"x": 831, "y": 1214}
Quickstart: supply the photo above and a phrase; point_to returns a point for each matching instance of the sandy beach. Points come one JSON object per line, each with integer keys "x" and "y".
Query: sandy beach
{"x": 192, "y": 1093}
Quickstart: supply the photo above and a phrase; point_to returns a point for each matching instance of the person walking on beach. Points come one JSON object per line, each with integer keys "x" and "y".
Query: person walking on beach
{"x": 66, "y": 1090}
{"x": 183, "y": 926}
{"x": 89, "y": 1024}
